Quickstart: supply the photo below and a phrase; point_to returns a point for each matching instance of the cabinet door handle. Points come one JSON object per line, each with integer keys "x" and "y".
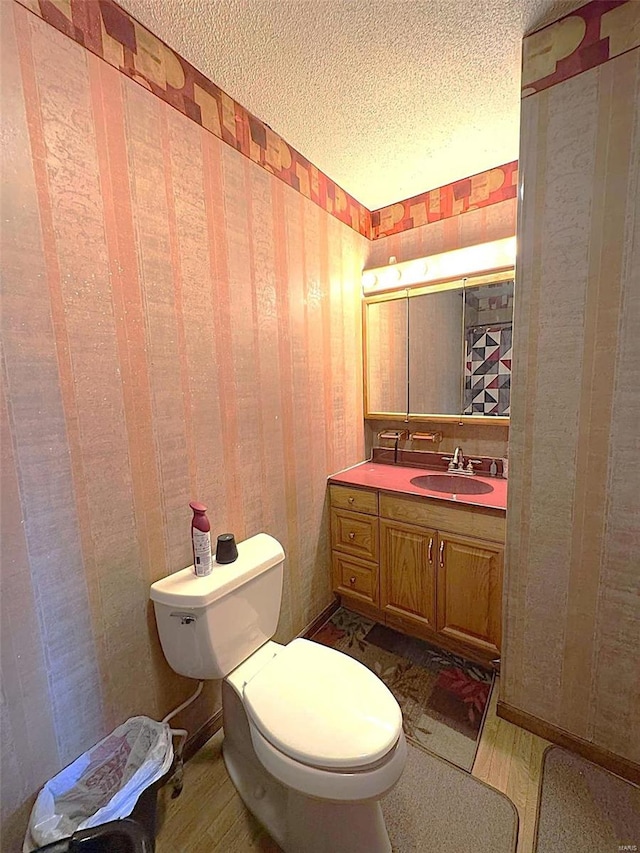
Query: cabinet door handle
{"x": 430, "y": 551}
{"x": 352, "y": 579}
{"x": 442, "y": 553}
{"x": 352, "y": 535}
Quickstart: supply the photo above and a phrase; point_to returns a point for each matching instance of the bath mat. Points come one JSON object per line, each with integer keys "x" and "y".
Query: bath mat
{"x": 583, "y": 807}
{"x": 443, "y": 697}
{"x": 437, "y": 808}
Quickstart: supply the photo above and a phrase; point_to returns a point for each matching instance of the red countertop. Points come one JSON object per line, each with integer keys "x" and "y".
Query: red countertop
{"x": 396, "y": 478}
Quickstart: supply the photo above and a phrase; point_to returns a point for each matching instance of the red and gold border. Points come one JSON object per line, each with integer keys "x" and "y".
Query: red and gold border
{"x": 479, "y": 190}
{"x": 582, "y": 40}
{"x": 111, "y": 33}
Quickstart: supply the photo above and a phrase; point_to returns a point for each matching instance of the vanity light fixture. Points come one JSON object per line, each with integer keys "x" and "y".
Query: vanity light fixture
{"x": 472, "y": 260}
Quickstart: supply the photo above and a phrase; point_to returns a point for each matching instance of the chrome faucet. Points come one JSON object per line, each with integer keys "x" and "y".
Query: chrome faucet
{"x": 457, "y": 463}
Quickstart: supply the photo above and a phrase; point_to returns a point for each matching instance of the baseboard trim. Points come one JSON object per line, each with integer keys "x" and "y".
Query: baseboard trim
{"x": 199, "y": 738}
{"x": 615, "y": 763}
{"x": 320, "y": 619}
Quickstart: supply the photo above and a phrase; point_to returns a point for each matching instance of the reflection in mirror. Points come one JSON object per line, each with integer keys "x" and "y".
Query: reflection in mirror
{"x": 488, "y": 313}
{"x": 386, "y": 348}
{"x": 436, "y": 352}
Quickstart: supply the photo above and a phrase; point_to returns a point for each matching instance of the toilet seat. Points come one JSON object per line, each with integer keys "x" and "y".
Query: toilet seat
{"x": 369, "y": 783}
{"x": 323, "y": 709}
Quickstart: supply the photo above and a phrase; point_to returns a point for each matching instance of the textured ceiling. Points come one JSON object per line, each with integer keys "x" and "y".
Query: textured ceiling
{"x": 389, "y": 98}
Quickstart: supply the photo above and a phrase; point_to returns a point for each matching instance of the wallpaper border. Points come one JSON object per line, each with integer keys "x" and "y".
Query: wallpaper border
{"x": 481, "y": 190}
{"x": 581, "y": 40}
{"x": 111, "y": 33}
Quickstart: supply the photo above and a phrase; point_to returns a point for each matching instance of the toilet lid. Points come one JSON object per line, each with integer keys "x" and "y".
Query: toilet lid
{"x": 323, "y": 708}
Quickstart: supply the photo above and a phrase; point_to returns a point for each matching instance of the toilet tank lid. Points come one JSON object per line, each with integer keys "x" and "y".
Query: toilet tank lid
{"x": 184, "y": 589}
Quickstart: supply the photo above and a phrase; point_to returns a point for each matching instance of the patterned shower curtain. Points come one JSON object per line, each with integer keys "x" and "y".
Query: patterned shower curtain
{"x": 488, "y": 371}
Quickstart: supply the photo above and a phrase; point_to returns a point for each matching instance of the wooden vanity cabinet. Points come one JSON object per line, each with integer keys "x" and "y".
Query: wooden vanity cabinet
{"x": 429, "y": 569}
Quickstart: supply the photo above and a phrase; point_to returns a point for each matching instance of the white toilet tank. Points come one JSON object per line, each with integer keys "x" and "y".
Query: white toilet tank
{"x": 209, "y": 625}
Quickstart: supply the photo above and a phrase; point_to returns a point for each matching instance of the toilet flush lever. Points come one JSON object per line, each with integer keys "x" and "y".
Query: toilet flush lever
{"x": 185, "y": 618}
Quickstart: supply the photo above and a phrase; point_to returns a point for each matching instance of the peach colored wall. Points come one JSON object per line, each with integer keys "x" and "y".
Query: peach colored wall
{"x": 572, "y": 630}
{"x": 110, "y": 32}
{"x": 177, "y": 323}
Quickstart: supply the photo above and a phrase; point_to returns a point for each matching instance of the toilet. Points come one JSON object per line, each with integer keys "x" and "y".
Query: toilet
{"x": 312, "y": 738}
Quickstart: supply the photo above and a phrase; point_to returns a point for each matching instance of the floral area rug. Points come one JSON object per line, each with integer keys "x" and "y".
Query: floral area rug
{"x": 442, "y": 696}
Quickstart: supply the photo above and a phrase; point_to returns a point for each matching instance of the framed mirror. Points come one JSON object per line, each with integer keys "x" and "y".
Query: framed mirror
{"x": 441, "y": 352}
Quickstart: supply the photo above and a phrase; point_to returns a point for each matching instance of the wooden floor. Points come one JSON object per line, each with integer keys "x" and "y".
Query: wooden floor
{"x": 510, "y": 759}
{"x": 209, "y": 816}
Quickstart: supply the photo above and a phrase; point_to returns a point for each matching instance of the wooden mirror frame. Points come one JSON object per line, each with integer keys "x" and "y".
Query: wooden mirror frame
{"x": 495, "y": 276}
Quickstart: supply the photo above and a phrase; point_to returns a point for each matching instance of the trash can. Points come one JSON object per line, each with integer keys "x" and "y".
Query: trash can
{"x": 106, "y": 800}
{"x": 117, "y": 836}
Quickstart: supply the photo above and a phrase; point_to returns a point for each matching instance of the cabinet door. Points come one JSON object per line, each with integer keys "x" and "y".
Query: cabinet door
{"x": 470, "y": 591}
{"x": 407, "y": 571}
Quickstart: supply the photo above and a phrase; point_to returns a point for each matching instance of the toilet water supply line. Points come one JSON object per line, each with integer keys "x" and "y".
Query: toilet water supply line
{"x": 181, "y": 734}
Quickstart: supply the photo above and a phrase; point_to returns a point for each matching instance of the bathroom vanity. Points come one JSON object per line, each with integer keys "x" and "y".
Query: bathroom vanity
{"x": 424, "y": 562}
{"x": 406, "y": 550}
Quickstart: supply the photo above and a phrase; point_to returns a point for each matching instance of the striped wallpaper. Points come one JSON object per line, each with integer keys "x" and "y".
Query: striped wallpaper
{"x": 572, "y": 630}
{"x": 177, "y": 324}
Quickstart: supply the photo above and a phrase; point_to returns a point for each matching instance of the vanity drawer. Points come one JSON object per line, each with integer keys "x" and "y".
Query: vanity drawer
{"x": 354, "y": 576}
{"x": 466, "y": 519}
{"x": 358, "y": 500}
{"x": 354, "y": 533}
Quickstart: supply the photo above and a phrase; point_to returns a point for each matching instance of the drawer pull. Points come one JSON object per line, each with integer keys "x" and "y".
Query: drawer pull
{"x": 351, "y": 500}
{"x": 352, "y": 535}
{"x": 430, "y": 551}
{"x": 442, "y": 554}
{"x": 352, "y": 579}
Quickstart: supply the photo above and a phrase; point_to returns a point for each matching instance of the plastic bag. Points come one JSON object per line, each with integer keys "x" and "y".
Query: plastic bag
{"x": 103, "y": 784}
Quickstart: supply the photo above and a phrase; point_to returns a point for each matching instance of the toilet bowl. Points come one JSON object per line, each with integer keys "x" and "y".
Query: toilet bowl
{"x": 322, "y": 723}
{"x": 313, "y": 739}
